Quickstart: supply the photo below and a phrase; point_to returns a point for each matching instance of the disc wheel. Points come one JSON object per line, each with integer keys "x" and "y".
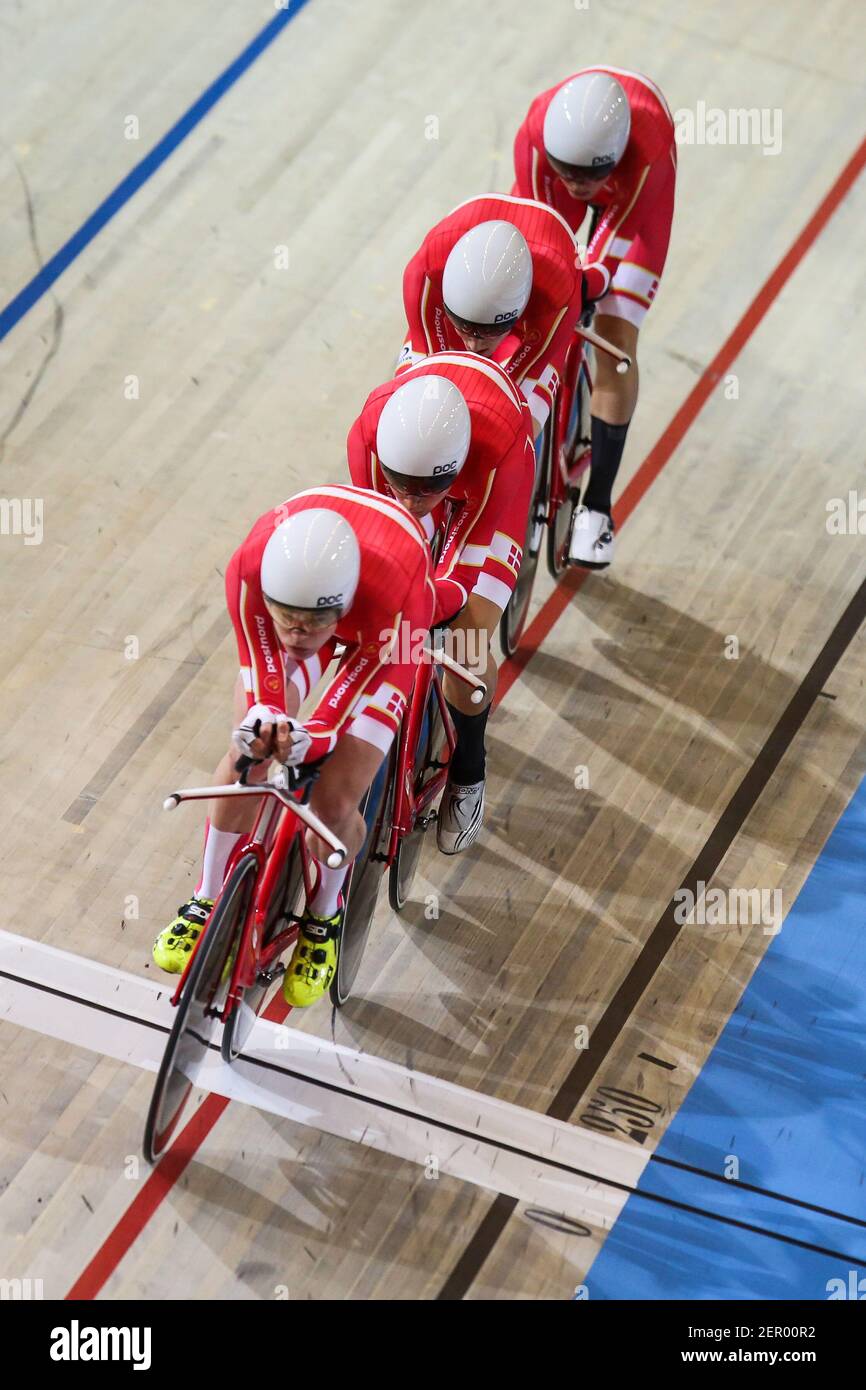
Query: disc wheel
{"x": 402, "y": 872}
{"x": 517, "y": 609}
{"x": 240, "y": 1021}
{"x": 361, "y": 890}
{"x": 577, "y": 444}
{"x": 194, "y": 1022}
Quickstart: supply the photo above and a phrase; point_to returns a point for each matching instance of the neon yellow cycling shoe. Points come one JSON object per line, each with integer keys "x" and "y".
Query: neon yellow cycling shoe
{"x": 314, "y": 959}
{"x": 173, "y": 947}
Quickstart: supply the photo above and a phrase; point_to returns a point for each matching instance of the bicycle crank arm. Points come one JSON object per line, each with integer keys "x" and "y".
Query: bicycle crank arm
{"x": 479, "y": 691}
{"x": 623, "y": 361}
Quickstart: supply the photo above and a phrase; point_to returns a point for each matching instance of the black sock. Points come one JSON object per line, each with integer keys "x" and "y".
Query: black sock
{"x": 468, "y": 762}
{"x": 608, "y": 442}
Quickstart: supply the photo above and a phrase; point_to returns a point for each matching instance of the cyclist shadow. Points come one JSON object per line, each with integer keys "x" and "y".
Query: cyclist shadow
{"x": 402, "y": 1035}
{"x": 667, "y": 653}
{"x": 317, "y": 1199}
{"x": 483, "y": 901}
{"x": 539, "y": 810}
{"x": 547, "y": 821}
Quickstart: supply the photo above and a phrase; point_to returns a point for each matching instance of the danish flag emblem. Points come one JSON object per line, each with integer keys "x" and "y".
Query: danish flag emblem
{"x": 395, "y": 704}
{"x": 512, "y": 559}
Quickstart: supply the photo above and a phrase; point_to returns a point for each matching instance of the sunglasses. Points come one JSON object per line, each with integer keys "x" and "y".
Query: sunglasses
{"x": 308, "y": 619}
{"x": 482, "y": 330}
{"x": 419, "y": 487}
{"x": 581, "y": 173}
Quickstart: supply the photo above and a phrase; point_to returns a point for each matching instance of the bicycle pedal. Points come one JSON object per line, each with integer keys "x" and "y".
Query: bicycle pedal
{"x": 267, "y": 977}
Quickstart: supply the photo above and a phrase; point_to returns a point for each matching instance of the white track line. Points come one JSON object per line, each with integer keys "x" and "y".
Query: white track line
{"x": 311, "y": 1081}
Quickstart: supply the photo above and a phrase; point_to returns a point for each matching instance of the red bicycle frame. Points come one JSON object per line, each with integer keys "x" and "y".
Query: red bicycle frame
{"x": 407, "y": 806}
{"x": 269, "y": 842}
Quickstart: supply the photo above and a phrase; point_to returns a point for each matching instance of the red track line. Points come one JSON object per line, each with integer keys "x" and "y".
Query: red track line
{"x": 160, "y": 1182}
{"x": 659, "y": 455}
{"x": 142, "y": 1207}
{"x": 163, "y": 1178}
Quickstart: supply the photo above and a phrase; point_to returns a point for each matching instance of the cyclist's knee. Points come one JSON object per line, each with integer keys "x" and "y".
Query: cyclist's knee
{"x": 334, "y": 807}
{"x": 621, "y": 332}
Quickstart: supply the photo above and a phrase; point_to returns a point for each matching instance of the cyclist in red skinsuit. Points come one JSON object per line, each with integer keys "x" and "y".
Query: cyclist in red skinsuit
{"x": 283, "y": 652}
{"x": 533, "y": 347}
{"x": 490, "y": 495}
{"x": 567, "y": 129}
{"x": 483, "y": 508}
{"x": 368, "y": 693}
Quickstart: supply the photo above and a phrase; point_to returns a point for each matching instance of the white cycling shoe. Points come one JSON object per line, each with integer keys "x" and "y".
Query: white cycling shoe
{"x": 461, "y": 815}
{"x": 592, "y": 539}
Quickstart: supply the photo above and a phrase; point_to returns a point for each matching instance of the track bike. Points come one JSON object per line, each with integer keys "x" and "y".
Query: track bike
{"x": 236, "y": 958}
{"x": 269, "y": 877}
{"x": 562, "y": 454}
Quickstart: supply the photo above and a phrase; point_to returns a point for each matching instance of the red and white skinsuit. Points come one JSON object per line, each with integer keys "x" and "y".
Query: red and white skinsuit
{"x": 533, "y": 354}
{"x": 488, "y": 502}
{"x": 626, "y": 256}
{"x": 368, "y": 694}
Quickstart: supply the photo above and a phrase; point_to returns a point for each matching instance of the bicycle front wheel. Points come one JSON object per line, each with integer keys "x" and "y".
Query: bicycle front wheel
{"x": 192, "y": 1032}
{"x": 362, "y": 888}
{"x": 284, "y": 900}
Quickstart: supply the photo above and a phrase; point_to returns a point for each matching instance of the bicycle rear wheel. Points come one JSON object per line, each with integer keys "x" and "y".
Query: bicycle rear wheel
{"x": 362, "y": 888}
{"x": 191, "y": 1033}
{"x": 241, "y": 1020}
{"x": 402, "y": 871}
{"x": 513, "y": 619}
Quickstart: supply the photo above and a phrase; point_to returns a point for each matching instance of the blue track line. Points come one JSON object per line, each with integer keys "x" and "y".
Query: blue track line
{"x": 148, "y": 165}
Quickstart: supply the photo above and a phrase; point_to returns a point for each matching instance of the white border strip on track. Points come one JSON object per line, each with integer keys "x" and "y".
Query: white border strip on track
{"x": 312, "y": 1081}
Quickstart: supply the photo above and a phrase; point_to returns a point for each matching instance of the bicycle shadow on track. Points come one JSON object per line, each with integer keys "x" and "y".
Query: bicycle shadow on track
{"x": 566, "y": 858}
{"x": 324, "y": 1202}
{"x": 481, "y": 978}
{"x": 671, "y": 657}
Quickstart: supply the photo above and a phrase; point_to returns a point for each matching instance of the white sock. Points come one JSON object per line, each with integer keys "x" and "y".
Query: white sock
{"x": 218, "y": 845}
{"x": 324, "y": 900}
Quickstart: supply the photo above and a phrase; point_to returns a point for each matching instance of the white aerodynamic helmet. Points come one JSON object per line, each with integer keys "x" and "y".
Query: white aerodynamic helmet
{"x": 487, "y": 278}
{"x": 313, "y": 561}
{"x": 423, "y": 434}
{"x": 587, "y": 126}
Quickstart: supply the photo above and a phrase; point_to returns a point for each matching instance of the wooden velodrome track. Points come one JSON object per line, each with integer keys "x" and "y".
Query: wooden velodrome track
{"x": 169, "y": 385}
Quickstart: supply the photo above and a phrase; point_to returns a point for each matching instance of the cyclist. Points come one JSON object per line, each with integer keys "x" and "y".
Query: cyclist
{"x": 498, "y": 276}
{"x": 604, "y": 138}
{"x": 335, "y": 564}
{"x": 451, "y": 438}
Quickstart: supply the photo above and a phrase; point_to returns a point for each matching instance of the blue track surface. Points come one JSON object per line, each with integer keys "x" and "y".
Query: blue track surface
{"x": 783, "y": 1091}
